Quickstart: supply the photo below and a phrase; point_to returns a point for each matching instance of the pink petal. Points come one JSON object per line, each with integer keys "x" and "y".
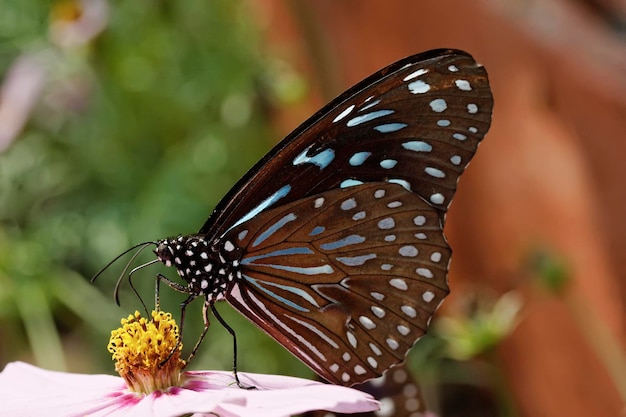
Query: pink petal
{"x": 27, "y": 390}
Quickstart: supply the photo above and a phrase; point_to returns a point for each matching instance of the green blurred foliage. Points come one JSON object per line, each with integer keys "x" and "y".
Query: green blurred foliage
{"x": 136, "y": 136}
{"x": 550, "y": 270}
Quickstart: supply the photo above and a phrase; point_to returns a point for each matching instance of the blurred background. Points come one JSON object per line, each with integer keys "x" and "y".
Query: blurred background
{"x": 127, "y": 121}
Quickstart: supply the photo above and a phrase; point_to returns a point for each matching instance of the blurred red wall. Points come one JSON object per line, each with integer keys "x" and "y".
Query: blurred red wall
{"x": 549, "y": 175}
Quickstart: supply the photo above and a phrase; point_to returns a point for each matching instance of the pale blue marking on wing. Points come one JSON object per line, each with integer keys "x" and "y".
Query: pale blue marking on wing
{"x": 322, "y": 159}
{"x": 281, "y": 252}
{"x": 346, "y": 241}
{"x": 298, "y": 291}
{"x": 276, "y": 296}
{"x": 355, "y": 121}
{"x": 418, "y": 87}
{"x": 269, "y": 201}
{"x": 390, "y": 127}
{"x": 370, "y": 105}
{"x": 349, "y": 183}
{"x": 358, "y": 158}
{"x": 388, "y": 163}
{"x": 356, "y": 260}
{"x": 317, "y": 230}
{"x": 403, "y": 183}
{"x": 417, "y": 146}
{"x": 273, "y": 228}
{"x": 311, "y": 270}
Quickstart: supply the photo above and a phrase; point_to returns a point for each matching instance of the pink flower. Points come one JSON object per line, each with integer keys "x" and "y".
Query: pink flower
{"x": 19, "y": 93}
{"x": 26, "y": 390}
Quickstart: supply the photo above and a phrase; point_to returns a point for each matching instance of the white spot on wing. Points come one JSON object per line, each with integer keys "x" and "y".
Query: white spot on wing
{"x": 355, "y": 121}
{"x": 417, "y": 146}
{"x": 418, "y": 87}
{"x": 377, "y": 296}
{"x": 437, "y": 198}
{"x": 399, "y": 283}
{"x": 403, "y": 330}
{"x": 434, "y": 172}
{"x": 390, "y": 127}
{"x": 409, "y": 311}
{"x": 438, "y": 105}
{"x": 348, "y": 204}
{"x": 419, "y": 220}
{"x": 388, "y": 163}
{"x": 378, "y": 312}
{"x": 415, "y": 74}
{"x": 343, "y": 114}
{"x": 392, "y": 343}
{"x": 373, "y": 362}
{"x": 386, "y": 223}
{"x": 352, "y": 339}
{"x": 424, "y": 272}
{"x": 375, "y": 349}
{"x": 408, "y": 251}
{"x": 367, "y": 322}
{"x": 359, "y": 370}
{"x": 463, "y": 85}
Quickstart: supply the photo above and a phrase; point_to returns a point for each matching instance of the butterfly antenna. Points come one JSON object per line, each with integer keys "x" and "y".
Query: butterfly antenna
{"x": 116, "y": 291}
{"x": 130, "y": 282}
{"x": 118, "y": 257}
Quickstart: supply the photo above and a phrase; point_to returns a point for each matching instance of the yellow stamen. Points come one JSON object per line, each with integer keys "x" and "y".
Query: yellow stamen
{"x": 142, "y": 351}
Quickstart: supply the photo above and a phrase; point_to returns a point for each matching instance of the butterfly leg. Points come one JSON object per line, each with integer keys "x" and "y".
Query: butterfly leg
{"x": 173, "y": 285}
{"x": 183, "y": 308}
{"x": 232, "y": 333}
{"x": 205, "y": 317}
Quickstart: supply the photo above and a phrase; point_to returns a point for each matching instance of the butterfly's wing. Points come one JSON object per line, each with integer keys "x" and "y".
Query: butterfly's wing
{"x": 349, "y": 292}
{"x": 346, "y": 280}
{"x": 417, "y": 123}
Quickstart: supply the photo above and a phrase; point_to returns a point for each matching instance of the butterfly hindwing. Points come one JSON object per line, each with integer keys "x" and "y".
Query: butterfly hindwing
{"x": 347, "y": 280}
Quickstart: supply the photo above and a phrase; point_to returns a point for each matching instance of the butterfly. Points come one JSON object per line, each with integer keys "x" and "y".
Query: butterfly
{"x": 333, "y": 242}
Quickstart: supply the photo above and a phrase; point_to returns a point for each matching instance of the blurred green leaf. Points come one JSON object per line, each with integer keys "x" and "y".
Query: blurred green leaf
{"x": 136, "y": 135}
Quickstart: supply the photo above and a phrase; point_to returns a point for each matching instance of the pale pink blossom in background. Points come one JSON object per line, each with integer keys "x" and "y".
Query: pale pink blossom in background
{"x": 26, "y": 390}
{"x": 22, "y": 85}
{"x": 19, "y": 93}
{"x": 93, "y": 16}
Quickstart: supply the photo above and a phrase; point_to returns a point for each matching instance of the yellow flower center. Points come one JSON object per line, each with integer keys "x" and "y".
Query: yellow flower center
{"x": 147, "y": 352}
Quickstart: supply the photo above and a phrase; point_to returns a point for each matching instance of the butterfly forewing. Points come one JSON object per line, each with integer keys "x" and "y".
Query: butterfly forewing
{"x": 347, "y": 280}
{"x": 417, "y": 123}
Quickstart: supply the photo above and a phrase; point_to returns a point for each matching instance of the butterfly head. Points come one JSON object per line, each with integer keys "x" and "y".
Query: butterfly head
{"x": 206, "y": 271}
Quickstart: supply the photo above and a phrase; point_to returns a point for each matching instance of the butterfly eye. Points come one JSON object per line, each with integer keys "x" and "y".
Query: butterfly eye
{"x": 333, "y": 243}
